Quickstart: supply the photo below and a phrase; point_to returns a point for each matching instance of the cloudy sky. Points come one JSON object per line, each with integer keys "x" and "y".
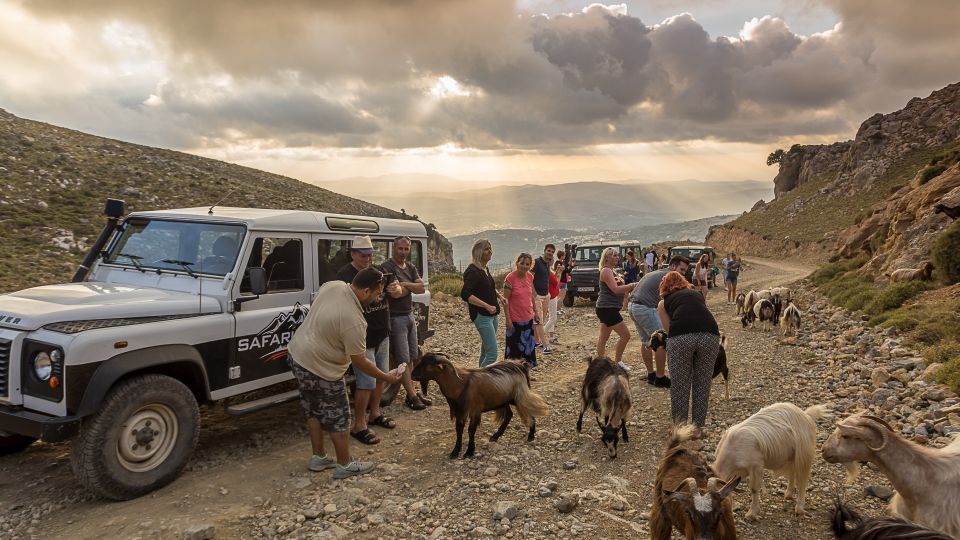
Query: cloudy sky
{"x": 494, "y": 90}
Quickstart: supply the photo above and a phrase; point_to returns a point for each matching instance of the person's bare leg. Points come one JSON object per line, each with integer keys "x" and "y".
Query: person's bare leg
{"x": 341, "y": 444}
{"x": 646, "y": 353}
{"x": 361, "y": 399}
{"x": 624, "y": 333}
{"x": 375, "y": 395}
{"x": 661, "y": 360}
{"x": 602, "y": 340}
{"x": 407, "y": 382}
{"x": 316, "y": 436}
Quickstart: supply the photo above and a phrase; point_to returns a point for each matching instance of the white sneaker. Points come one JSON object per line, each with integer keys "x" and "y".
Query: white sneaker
{"x": 354, "y": 468}
{"x": 624, "y": 366}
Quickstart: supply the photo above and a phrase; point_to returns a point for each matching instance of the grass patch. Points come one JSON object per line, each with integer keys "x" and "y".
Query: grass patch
{"x": 894, "y": 296}
{"x": 446, "y": 283}
{"x": 948, "y": 354}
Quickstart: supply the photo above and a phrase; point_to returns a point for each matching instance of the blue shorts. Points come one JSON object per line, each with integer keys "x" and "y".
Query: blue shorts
{"x": 732, "y": 279}
{"x": 646, "y": 320}
{"x": 379, "y": 356}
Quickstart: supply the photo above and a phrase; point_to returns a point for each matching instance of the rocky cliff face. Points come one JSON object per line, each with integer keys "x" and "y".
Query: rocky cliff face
{"x": 872, "y": 195}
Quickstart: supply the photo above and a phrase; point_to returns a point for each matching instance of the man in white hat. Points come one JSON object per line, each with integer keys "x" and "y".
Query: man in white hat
{"x": 377, "y": 315}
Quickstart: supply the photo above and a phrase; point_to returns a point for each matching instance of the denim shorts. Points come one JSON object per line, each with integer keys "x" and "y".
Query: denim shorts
{"x": 379, "y": 356}
{"x": 646, "y": 320}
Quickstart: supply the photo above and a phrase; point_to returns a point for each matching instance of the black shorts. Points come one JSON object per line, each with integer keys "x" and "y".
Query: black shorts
{"x": 609, "y": 316}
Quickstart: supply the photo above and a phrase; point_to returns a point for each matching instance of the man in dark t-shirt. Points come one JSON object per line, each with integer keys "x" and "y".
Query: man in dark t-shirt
{"x": 377, "y": 314}
{"x": 541, "y": 280}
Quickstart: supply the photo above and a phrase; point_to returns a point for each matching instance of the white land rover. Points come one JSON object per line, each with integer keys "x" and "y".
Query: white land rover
{"x": 170, "y": 309}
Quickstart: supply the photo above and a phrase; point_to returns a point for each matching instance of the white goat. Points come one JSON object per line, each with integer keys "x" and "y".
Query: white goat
{"x": 782, "y": 292}
{"x": 927, "y": 480}
{"x": 791, "y": 320}
{"x": 779, "y": 437}
{"x": 764, "y": 294}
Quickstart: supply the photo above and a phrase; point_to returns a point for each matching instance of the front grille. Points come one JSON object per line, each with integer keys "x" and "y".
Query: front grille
{"x": 5, "y": 346}
{"x": 586, "y": 279}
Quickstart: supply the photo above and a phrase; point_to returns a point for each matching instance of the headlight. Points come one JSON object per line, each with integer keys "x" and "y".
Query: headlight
{"x": 43, "y": 365}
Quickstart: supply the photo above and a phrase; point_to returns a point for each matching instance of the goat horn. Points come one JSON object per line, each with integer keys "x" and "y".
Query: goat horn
{"x": 878, "y": 420}
{"x": 692, "y": 484}
{"x": 883, "y": 434}
{"x": 712, "y": 483}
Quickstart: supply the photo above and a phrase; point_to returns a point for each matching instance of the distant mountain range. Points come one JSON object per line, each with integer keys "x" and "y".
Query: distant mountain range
{"x": 578, "y": 206}
{"x": 508, "y": 243}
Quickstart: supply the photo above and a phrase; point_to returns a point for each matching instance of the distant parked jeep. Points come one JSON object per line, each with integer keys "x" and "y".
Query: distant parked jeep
{"x": 585, "y": 276}
{"x": 170, "y": 308}
{"x": 693, "y": 253}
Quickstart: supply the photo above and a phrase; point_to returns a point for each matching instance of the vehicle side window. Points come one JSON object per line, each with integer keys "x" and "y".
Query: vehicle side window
{"x": 381, "y": 251}
{"x": 282, "y": 258}
{"x": 331, "y": 256}
{"x": 416, "y": 255}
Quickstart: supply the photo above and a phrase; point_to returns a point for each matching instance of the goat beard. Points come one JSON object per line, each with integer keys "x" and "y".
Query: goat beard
{"x": 853, "y": 472}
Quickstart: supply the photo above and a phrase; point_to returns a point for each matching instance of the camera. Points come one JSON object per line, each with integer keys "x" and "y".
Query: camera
{"x": 388, "y": 278}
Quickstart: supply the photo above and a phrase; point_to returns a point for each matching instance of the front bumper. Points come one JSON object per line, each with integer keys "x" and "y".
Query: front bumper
{"x": 37, "y": 425}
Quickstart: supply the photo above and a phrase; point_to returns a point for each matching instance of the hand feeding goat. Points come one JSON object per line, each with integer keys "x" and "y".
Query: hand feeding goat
{"x": 763, "y": 310}
{"x": 924, "y": 273}
{"x": 877, "y": 528}
{"x": 927, "y": 480}
{"x": 688, "y": 496}
{"x": 606, "y": 390}
{"x": 779, "y": 437}
{"x": 659, "y": 339}
{"x": 791, "y": 320}
{"x": 473, "y": 391}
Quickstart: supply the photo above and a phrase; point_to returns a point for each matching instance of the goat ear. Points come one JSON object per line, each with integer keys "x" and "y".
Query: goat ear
{"x": 726, "y": 490}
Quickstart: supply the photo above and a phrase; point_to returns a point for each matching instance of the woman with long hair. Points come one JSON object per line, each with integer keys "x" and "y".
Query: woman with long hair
{"x": 521, "y": 314}
{"x": 480, "y": 294}
{"x": 609, "y": 303}
{"x": 561, "y": 268}
{"x": 693, "y": 341}
{"x": 631, "y": 268}
{"x": 701, "y": 273}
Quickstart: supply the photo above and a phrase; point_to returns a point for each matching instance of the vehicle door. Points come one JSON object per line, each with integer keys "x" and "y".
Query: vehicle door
{"x": 266, "y": 324}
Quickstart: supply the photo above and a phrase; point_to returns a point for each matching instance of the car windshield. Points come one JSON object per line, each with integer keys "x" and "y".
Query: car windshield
{"x": 692, "y": 254}
{"x": 181, "y": 246}
{"x": 590, "y": 253}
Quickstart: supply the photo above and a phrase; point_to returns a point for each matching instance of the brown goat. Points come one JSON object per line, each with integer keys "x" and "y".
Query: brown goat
{"x": 606, "y": 389}
{"x": 924, "y": 273}
{"x": 470, "y": 392}
{"x": 687, "y": 495}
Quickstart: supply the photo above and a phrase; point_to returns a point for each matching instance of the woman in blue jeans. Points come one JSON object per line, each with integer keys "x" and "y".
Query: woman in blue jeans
{"x": 480, "y": 294}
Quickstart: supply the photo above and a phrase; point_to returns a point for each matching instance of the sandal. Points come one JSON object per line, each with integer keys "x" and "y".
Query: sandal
{"x": 383, "y": 421}
{"x": 415, "y": 404}
{"x": 366, "y": 437}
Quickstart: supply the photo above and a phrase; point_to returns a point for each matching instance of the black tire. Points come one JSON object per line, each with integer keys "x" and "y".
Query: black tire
{"x": 568, "y": 299}
{"x": 11, "y": 444}
{"x": 117, "y": 472}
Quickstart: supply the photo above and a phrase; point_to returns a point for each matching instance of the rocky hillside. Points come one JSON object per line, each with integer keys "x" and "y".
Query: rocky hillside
{"x": 842, "y": 196}
{"x": 53, "y": 182}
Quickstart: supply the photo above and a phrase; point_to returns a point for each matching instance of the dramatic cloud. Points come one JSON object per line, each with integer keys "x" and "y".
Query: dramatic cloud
{"x": 486, "y": 75}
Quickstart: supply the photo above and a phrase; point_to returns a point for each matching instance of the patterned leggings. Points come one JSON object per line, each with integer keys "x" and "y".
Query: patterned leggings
{"x": 691, "y": 358}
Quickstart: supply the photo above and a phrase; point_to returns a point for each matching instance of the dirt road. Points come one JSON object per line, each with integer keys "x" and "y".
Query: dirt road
{"x": 248, "y": 477}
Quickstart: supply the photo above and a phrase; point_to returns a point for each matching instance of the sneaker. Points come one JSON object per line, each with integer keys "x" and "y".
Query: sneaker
{"x": 321, "y": 463}
{"x": 651, "y": 377}
{"x": 538, "y": 345}
{"x": 354, "y": 468}
{"x": 624, "y": 366}
{"x": 662, "y": 382}
{"x": 547, "y": 350}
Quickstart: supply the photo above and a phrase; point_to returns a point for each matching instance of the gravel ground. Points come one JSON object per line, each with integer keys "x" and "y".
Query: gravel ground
{"x": 248, "y": 477}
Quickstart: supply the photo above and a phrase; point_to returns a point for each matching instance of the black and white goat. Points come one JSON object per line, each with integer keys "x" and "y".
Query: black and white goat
{"x": 790, "y": 322}
{"x": 471, "y": 392}
{"x": 763, "y": 310}
{"x": 606, "y": 390}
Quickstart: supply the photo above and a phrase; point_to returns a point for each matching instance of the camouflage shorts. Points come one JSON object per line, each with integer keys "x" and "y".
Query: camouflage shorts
{"x": 327, "y": 401}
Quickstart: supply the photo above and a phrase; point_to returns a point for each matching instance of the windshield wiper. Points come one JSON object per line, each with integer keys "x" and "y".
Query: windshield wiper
{"x": 135, "y": 259}
{"x": 184, "y": 264}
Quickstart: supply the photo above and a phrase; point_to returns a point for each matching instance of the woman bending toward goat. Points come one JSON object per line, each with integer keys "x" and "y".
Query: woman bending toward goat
{"x": 609, "y": 304}
{"x": 692, "y": 347}
{"x": 480, "y": 294}
{"x": 521, "y": 313}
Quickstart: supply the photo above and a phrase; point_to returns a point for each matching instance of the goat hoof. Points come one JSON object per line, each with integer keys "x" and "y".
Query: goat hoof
{"x": 454, "y": 455}
{"x": 468, "y": 455}
{"x": 494, "y": 438}
{"x": 753, "y": 517}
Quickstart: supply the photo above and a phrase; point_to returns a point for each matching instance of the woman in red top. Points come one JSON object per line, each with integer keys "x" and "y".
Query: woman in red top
{"x": 521, "y": 315}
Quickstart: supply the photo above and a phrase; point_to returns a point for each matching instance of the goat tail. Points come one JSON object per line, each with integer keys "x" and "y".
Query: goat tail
{"x": 679, "y": 434}
{"x": 817, "y": 412}
{"x": 529, "y": 404}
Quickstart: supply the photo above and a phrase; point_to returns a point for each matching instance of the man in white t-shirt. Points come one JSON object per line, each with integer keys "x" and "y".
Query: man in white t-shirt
{"x": 648, "y": 260}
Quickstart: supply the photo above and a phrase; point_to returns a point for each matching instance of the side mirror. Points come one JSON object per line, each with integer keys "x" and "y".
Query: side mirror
{"x": 258, "y": 280}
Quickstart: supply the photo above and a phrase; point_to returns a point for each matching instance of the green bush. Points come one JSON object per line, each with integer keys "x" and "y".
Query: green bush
{"x": 835, "y": 269}
{"x": 942, "y": 352}
{"x": 949, "y": 374}
{"x": 930, "y": 172}
{"x": 945, "y": 254}
{"x": 446, "y": 283}
{"x": 894, "y": 296}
